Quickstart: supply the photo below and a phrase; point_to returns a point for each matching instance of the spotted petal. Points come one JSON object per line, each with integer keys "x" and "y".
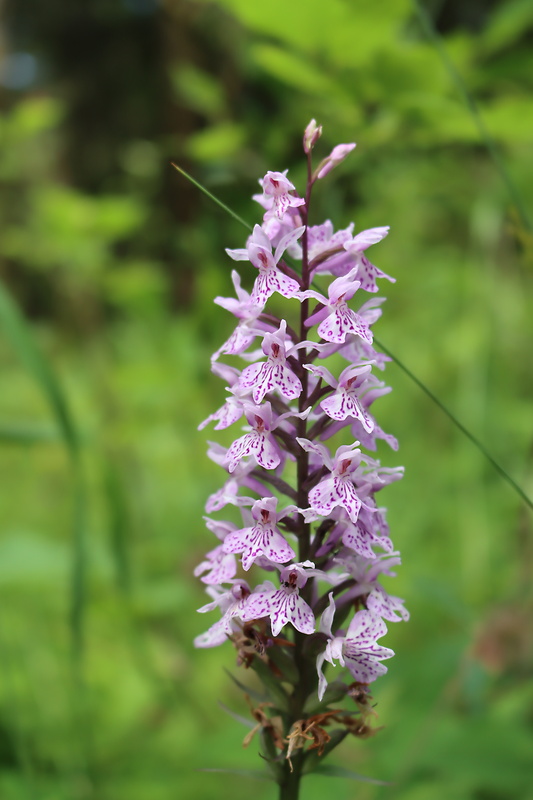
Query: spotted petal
{"x": 333, "y": 492}
{"x": 272, "y": 280}
{"x": 342, "y": 405}
{"x": 220, "y": 566}
{"x": 213, "y": 637}
{"x": 256, "y": 541}
{"x": 341, "y": 322}
{"x": 364, "y": 668}
{"x": 256, "y": 444}
{"x": 269, "y": 376}
{"x": 281, "y": 607}
{"x": 358, "y": 538}
{"x": 386, "y": 606}
{"x": 365, "y": 628}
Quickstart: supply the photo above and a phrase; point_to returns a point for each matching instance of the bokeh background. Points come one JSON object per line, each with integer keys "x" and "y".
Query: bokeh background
{"x": 109, "y": 262}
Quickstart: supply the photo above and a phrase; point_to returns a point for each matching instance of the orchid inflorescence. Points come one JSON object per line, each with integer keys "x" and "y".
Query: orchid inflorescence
{"x": 309, "y": 509}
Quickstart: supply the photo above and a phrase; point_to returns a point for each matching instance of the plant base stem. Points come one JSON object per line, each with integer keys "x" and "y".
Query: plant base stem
{"x": 289, "y": 788}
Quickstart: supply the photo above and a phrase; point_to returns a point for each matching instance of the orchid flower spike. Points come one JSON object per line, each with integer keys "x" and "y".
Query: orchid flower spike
{"x": 302, "y": 519}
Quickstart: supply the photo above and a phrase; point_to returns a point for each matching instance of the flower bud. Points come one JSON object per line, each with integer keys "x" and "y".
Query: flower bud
{"x": 312, "y": 134}
{"x": 337, "y": 155}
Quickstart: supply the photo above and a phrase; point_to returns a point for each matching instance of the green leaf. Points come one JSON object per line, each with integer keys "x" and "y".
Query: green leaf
{"x": 220, "y": 141}
{"x": 283, "y": 661}
{"x": 472, "y": 107}
{"x": 331, "y": 771}
{"x": 506, "y": 24}
{"x": 247, "y": 722}
{"x": 34, "y": 115}
{"x": 291, "y": 69}
{"x": 198, "y": 89}
{"x": 273, "y": 757}
{"x": 335, "y": 692}
{"x": 347, "y": 33}
{"x": 278, "y": 695}
{"x": 259, "y": 696}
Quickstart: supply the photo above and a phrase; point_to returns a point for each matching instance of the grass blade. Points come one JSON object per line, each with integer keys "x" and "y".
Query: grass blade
{"x": 118, "y": 526}
{"x": 259, "y": 696}
{"x": 248, "y": 723}
{"x": 20, "y": 336}
{"x": 475, "y": 441}
{"x": 212, "y": 197}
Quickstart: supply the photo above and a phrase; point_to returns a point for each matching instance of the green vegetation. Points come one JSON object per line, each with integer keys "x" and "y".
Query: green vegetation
{"x": 112, "y": 260}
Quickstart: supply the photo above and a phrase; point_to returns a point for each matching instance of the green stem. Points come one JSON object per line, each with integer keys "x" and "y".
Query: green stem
{"x": 289, "y": 788}
{"x": 289, "y": 783}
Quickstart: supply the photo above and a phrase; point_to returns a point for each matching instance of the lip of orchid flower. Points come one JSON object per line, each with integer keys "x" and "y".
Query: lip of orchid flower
{"x": 360, "y": 537}
{"x": 274, "y": 374}
{"x": 248, "y": 313}
{"x": 283, "y": 605}
{"x": 337, "y": 489}
{"x": 368, "y": 272}
{"x": 335, "y": 318}
{"x": 279, "y": 187}
{"x": 338, "y": 252}
{"x": 357, "y": 649}
{"x": 263, "y": 537}
{"x": 232, "y": 410}
{"x": 346, "y": 401}
{"x": 259, "y": 442}
{"x": 363, "y": 536}
{"x": 220, "y": 567}
{"x": 270, "y": 278}
{"x": 366, "y": 572}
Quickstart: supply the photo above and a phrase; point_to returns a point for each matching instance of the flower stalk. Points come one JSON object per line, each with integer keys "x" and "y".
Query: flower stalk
{"x": 303, "y": 481}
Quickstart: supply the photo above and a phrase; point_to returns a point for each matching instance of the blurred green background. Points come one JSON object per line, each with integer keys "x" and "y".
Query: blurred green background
{"x": 113, "y": 260}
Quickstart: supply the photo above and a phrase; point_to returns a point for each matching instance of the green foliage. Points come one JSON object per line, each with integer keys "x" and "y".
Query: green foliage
{"x": 106, "y": 376}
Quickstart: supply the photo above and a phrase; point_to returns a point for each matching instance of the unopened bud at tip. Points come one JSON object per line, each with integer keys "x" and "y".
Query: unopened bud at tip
{"x": 312, "y": 134}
